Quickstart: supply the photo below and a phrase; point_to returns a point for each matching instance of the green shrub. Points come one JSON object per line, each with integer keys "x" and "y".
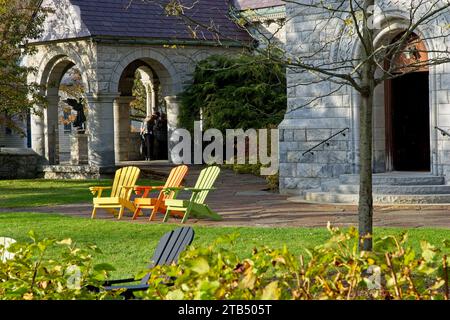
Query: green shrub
{"x": 32, "y": 275}
{"x": 238, "y": 92}
{"x": 334, "y": 270}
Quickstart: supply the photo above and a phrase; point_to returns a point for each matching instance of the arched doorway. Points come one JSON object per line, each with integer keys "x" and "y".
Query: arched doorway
{"x": 52, "y": 134}
{"x": 142, "y": 86}
{"x": 407, "y": 110}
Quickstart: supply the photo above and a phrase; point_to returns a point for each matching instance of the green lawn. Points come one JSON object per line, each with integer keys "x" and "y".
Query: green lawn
{"x": 129, "y": 246}
{"x": 35, "y": 193}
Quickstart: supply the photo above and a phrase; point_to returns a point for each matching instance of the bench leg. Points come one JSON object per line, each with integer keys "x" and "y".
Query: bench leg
{"x": 94, "y": 211}
{"x": 121, "y": 212}
{"x": 166, "y": 217}
{"x": 136, "y": 212}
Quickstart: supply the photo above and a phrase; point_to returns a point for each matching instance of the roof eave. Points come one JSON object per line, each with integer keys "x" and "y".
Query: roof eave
{"x": 150, "y": 41}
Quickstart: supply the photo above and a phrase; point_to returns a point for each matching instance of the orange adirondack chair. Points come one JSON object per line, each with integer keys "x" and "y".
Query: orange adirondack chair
{"x": 174, "y": 180}
{"x": 124, "y": 182}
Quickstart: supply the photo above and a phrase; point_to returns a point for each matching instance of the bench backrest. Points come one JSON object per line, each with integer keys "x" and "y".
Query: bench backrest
{"x": 169, "y": 248}
{"x": 126, "y": 176}
{"x": 205, "y": 180}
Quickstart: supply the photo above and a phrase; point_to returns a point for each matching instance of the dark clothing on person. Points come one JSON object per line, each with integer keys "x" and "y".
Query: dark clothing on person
{"x": 148, "y": 139}
{"x": 161, "y": 139}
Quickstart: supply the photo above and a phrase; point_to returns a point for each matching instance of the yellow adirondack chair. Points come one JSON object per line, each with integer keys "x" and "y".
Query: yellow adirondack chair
{"x": 195, "y": 206}
{"x": 124, "y": 182}
{"x": 175, "y": 179}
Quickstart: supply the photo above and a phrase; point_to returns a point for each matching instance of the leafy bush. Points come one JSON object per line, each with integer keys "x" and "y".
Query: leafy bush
{"x": 235, "y": 92}
{"x": 334, "y": 270}
{"x": 33, "y": 275}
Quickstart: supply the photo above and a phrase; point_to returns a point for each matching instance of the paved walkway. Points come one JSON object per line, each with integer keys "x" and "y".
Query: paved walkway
{"x": 243, "y": 201}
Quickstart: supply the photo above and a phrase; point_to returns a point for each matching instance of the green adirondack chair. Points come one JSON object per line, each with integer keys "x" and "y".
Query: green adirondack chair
{"x": 195, "y": 206}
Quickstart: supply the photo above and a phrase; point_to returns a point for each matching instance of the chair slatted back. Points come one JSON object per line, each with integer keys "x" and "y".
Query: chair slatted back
{"x": 4, "y": 244}
{"x": 175, "y": 179}
{"x": 126, "y": 176}
{"x": 169, "y": 248}
{"x": 205, "y": 180}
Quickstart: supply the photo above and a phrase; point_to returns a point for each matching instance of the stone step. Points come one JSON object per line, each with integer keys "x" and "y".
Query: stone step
{"x": 392, "y": 189}
{"x": 330, "y": 197}
{"x": 395, "y": 179}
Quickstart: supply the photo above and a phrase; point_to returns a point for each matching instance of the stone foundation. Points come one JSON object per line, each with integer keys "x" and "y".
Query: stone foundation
{"x": 19, "y": 163}
{"x": 77, "y": 172}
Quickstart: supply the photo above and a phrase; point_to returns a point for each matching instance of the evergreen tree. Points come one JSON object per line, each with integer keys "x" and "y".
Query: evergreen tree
{"x": 235, "y": 92}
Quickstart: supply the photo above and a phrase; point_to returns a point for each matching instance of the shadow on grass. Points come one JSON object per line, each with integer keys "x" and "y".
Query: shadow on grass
{"x": 36, "y": 193}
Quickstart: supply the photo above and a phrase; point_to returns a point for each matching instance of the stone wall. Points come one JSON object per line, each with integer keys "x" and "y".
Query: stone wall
{"x": 19, "y": 163}
{"x": 316, "y": 111}
{"x": 76, "y": 172}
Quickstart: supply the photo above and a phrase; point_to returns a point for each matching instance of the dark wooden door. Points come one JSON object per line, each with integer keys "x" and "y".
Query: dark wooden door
{"x": 409, "y": 140}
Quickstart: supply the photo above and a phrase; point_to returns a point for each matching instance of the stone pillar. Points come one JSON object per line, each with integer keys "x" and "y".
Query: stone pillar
{"x": 173, "y": 112}
{"x": 122, "y": 129}
{"x": 151, "y": 96}
{"x": 79, "y": 149}
{"x": 100, "y": 129}
{"x": 37, "y": 134}
{"x": 51, "y": 129}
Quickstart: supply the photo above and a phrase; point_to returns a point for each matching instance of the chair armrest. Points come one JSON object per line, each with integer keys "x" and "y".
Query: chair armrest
{"x": 137, "y": 287}
{"x": 99, "y": 188}
{"x": 94, "y": 190}
{"x": 187, "y": 189}
{"x": 111, "y": 282}
{"x": 127, "y": 187}
{"x": 144, "y": 190}
{"x": 199, "y": 189}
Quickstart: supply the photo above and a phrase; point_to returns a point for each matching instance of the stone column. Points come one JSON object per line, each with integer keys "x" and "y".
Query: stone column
{"x": 151, "y": 96}
{"x": 100, "y": 129}
{"x": 122, "y": 127}
{"x": 51, "y": 129}
{"x": 37, "y": 134}
{"x": 173, "y": 112}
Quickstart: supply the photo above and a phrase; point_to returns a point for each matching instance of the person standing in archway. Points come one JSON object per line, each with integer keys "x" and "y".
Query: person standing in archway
{"x": 161, "y": 137}
{"x": 148, "y": 135}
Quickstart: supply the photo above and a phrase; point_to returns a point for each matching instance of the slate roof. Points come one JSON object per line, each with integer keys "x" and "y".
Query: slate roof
{"x": 257, "y": 4}
{"x": 117, "y": 18}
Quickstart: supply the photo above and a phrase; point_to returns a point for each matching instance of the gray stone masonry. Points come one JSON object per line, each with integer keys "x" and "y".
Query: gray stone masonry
{"x": 19, "y": 163}
{"x": 318, "y": 110}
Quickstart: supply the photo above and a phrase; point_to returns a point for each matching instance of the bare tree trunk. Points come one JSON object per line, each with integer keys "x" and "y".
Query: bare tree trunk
{"x": 365, "y": 209}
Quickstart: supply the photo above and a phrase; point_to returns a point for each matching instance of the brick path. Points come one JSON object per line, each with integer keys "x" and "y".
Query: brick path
{"x": 242, "y": 201}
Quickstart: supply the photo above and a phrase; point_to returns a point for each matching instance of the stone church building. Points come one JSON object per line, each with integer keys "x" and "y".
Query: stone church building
{"x": 319, "y": 144}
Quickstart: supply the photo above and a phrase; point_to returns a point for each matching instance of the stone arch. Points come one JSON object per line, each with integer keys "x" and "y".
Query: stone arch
{"x": 57, "y": 58}
{"x": 167, "y": 73}
{"x": 45, "y": 131}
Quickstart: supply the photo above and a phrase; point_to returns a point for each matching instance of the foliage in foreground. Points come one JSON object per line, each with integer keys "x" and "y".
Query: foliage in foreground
{"x": 33, "y": 275}
{"x": 334, "y": 270}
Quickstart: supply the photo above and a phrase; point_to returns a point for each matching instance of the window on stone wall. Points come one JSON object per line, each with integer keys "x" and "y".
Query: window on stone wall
{"x": 67, "y": 123}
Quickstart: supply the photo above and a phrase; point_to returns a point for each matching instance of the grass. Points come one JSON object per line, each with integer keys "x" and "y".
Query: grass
{"x": 129, "y": 246}
{"x": 36, "y": 193}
